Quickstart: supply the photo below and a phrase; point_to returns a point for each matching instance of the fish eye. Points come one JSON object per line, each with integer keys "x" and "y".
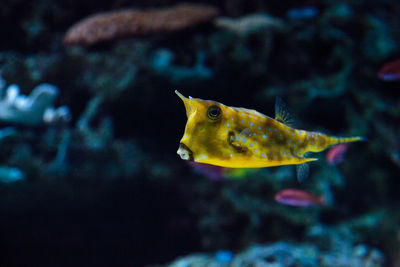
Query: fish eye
{"x": 214, "y": 113}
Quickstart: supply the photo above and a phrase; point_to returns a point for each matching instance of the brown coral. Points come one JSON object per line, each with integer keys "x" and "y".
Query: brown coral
{"x": 132, "y": 22}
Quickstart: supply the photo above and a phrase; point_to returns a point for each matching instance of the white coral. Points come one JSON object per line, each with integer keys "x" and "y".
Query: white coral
{"x": 31, "y": 110}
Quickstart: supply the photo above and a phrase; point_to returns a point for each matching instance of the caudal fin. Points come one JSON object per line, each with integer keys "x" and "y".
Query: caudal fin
{"x": 340, "y": 140}
{"x": 317, "y": 142}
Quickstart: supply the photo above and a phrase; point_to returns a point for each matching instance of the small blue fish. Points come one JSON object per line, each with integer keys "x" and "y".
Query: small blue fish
{"x": 302, "y": 13}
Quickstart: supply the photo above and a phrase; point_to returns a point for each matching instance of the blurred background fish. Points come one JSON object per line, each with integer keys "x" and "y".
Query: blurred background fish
{"x": 337, "y": 154}
{"x": 390, "y": 71}
{"x": 213, "y": 172}
{"x": 299, "y": 198}
{"x": 217, "y": 173}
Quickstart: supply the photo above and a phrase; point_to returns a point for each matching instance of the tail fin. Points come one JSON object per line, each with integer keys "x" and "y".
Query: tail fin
{"x": 340, "y": 140}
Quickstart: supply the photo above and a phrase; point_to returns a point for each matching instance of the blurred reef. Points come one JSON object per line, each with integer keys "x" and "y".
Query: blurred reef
{"x": 90, "y": 126}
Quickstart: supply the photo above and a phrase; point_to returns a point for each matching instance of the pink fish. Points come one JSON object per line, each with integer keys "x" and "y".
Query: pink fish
{"x": 337, "y": 154}
{"x": 299, "y": 198}
{"x": 390, "y": 72}
{"x": 213, "y": 172}
{"x": 217, "y": 173}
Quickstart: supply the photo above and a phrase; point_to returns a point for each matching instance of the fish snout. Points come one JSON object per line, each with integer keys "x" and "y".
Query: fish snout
{"x": 184, "y": 152}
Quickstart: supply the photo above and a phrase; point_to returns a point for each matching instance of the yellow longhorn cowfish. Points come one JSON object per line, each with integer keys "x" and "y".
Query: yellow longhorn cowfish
{"x": 243, "y": 138}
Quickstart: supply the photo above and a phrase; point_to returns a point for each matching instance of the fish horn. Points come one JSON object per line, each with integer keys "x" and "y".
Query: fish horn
{"x": 180, "y": 95}
{"x": 188, "y": 102}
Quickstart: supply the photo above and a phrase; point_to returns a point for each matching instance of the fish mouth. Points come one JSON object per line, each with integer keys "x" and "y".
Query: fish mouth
{"x": 184, "y": 152}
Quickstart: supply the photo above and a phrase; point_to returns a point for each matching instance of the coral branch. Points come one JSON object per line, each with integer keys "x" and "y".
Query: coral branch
{"x": 34, "y": 109}
{"x": 133, "y": 22}
{"x": 249, "y": 24}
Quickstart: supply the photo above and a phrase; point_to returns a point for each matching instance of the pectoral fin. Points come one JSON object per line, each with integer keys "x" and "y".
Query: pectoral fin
{"x": 246, "y": 133}
{"x": 238, "y": 141}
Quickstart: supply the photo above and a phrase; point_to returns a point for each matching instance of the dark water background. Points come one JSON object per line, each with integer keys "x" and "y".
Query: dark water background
{"x": 120, "y": 196}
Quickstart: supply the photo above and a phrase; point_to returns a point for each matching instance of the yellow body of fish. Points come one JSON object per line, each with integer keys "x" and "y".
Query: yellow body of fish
{"x": 242, "y": 138}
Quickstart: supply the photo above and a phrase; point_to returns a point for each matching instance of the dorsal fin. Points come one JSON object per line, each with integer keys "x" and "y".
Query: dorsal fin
{"x": 282, "y": 113}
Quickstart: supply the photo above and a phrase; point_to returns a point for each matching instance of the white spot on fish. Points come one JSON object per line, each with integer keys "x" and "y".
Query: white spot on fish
{"x": 251, "y": 124}
{"x": 228, "y": 125}
{"x": 255, "y": 150}
{"x": 201, "y": 157}
{"x": 259, "y": 127}
{"x": 263, "y": 155}
{"x": 264, "y": 136}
